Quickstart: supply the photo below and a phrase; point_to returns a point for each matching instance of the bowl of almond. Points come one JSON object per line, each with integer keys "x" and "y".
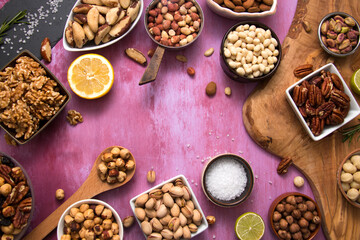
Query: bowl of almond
{"x": 96, "y": 24}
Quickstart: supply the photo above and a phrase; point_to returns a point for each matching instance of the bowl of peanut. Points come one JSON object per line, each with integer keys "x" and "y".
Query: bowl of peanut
{"x": 237, "y": 9}
{"x": 90, "y": 219}
{"x": 348, "y": 178}
{"x": 250, "y": 52}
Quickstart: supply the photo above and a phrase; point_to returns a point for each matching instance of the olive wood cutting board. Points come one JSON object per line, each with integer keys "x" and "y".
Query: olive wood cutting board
{"x": 273, "y": 125}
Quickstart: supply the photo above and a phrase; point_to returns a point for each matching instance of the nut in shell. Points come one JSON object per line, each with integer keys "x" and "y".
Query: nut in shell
{"x": 151, "y": 176}
{"x": 128, "y": 221}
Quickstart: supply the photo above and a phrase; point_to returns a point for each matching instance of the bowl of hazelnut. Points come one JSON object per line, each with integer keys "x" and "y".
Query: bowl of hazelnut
{"x": 348, "y": 178}
{"x": 15, "y": 214}
{"x": 250, "y": 52}
{"x": 338, "y": 34}
{"x": 295, "y": 216}
{"x": 90, "y": 219}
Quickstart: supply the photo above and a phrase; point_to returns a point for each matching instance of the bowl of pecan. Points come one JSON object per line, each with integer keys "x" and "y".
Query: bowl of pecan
{"x": 16, "y": 198}
{"x": 239, "y": 9}
{"x": 31, "y": 97}
{"x": 295, "y": 216}
{"x": 322, "y": 101}
{"x": 338, "y": 34}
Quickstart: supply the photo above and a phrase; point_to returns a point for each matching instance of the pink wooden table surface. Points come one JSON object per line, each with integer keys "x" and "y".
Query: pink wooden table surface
{"x": 169, "y": 125}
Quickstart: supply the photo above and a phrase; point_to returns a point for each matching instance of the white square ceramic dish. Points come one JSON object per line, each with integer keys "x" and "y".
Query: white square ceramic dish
{"x": 354, "y": 107}
{"x": 228, "y": 13}
{"x": 92, "y": 46}
{"x": 204, "y": 224}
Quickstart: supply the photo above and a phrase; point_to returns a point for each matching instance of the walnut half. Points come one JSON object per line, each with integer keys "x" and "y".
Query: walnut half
{"x": 74, "y": 117}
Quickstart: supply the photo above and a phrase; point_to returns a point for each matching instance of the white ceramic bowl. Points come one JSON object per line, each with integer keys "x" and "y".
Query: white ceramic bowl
{"x": 228, "y": 13}
{"x": 354, "y": 107}
{"x": 204, "y": 224}
{"x": 60, "y": 225}
{"x": 91, "y": 45}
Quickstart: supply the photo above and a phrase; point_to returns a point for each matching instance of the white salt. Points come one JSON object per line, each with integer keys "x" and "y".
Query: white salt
{"x": 226, "y": 179}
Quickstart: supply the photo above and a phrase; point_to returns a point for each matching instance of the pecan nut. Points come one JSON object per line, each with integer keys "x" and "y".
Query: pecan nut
{"x": 325, "y": 109}
{"x": 340, "y": 98}
{"x": 25, "y": 205}
{"x": 303, "y": 70}
{"x": 284, "y": 165}
{"x": 17, "y": 193}
{"x": 315, "y": 96}
{"x": 326, "y": 87}
{"x": 337, "y": 82}
{"x": 315, "y": 80}
{"x": 336, "y": 117}
{"x": 317, "y": 125}
{"x": 300, "y": 94}
{"x": 20, "y": 219}
{"x": 310, "y": 111}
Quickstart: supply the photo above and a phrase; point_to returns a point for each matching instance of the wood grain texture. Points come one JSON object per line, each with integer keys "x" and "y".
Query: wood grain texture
{"x": 271, "y": 122}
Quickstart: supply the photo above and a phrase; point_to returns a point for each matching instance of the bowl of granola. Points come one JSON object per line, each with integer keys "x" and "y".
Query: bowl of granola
{"x": 30, "y": 97}
{"x": 15, "y": 212}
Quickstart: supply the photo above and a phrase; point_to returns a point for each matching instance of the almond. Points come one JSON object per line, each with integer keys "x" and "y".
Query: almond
{"x": 78, "y": 34}
{"x": 124, "y": 3}
{"x": 133, "y": 10}
{"x": 45, "y": 50}
{"x": 121, "y": 27}
{"x": 101, "y": 33}
{"x": 82, "y": 8}
{"x": 113, "y": 15}
{"x": 93, "y": 19}
{"x": 136, "y": 55}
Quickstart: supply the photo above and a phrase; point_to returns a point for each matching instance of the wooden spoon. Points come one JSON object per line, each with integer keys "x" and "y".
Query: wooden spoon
{"x": 90, "y": 188}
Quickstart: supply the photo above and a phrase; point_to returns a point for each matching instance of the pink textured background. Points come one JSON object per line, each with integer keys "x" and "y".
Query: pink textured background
{"x": 169, "y": 125}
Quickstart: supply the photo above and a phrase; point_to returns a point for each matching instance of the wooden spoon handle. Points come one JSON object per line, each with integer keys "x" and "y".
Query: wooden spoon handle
{"x": 153, "y": 68}
{"x": 87, "y": 190}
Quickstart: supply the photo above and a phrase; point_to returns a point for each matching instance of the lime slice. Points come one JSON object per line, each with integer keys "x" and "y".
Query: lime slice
{"x": 355, "y": 82}
{"x": 249, "y": 226}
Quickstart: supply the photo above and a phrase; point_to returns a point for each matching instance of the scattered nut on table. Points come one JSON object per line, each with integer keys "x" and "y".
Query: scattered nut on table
{"x": 181, "y": 58}
{"x": 136, "y": 55}
{"x": 74, "y": 117}
{"x": 211, "y": 220}
{"x": 128, "y": 221}
{"x": 9, "y": 140}
{"x": 298, "y": 181}
{"x": 59, "y": 194}
{"x": 45, "y": 50}
{"x": 209, "y": 52}
{"x": 191, "y": 71}
{"x": 151, "y": 177}
{"x": 211, "y": 89}
{"x": 227, "y": 91}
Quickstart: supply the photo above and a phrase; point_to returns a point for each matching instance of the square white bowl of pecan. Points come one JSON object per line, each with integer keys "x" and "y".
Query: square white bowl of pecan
{"x": 322, "y": 101}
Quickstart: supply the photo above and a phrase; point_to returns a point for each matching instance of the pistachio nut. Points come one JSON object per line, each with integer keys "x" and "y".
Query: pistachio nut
{"x": 154, "y": 236}
{"x": 165, "y": 220}
{"x": 190, "y": 204}
{"x": 174, "y": 224}
{"x": 180, "y": 201}
{"x": 178, "y": 233}
{"x": 187, "y": 211}
{"x": 324, "y": 27}
{"x": 150, "y": 203}
{"x": 175, "y": 210}
{"x": 150, "y": 213}
{"x": 337, "y": 27}
{"x": 338, "y": 40}
{"x": 323, "y": 38}
{"x": 183, "y": 219}
{"x": 186, "y": 232}
{"x": 211, "y": 220}
{"x": 128, "y": 221}
{"x": 162, "y": 211}
{"x": 332, "y": 24}
{"x": 187, "y": 193}
{"x": 335, "y": 50}
{"x": 352, "y": 35}
{"x": 168, "y": 200}
{"x": 156, "y": 225}
{"x": 330, "y": 43}
{"x": 140, "y": 201}
{"x": 146, "y": 227}
{"x": 158, "y": 203}
{"x": 346, "y": 50}
{"x": 344, "y": 44}
{"x": 140, "y": 213}
{"x": 197, "y": 217}
{"x": 167, "y": 234}
{"x": 193, "y": 228}
{"x": 179, "y": 182}
{"x": 339, "y": 18}
{"x": 156, "y": 193}
{"x": 345, "y": 29}
{"x": 350, "y": 21}
{"x": 353, "y": 43}
{"x": 167, "y": 187}
{"x": 331, "y": 34}
{"x": 176, "y": 191}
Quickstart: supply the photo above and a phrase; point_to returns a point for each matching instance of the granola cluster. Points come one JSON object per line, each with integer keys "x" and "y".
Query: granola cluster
{"x": 27, "y": 96}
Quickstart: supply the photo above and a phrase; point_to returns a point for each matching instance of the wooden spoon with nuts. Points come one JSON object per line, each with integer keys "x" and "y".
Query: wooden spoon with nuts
{"x": 90, "y": 188}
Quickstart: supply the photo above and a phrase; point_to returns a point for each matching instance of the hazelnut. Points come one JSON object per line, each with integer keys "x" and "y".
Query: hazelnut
{"x": 296, "y": 214}
{"x": 89, "y": 234}
{"x": 303, "y": 223}
{"x": 299, "y": 199}
{"x": 113, "y": 173}
{"x": 121, "y": 177}
{"x": 106, "y": 224}
{"x": 106, "y": 235}
{"x": 294, "y": 228}
{"x": 227, "y": 91}
{"x": 66, "y": 230}
{"x": 115, "y": 151}
{"x": 282, "y": 234}
{"x": 211, "y": 89}
{"x": 302, "y": 207}
{"x": 283, "y": 224}
{"x": 310, "y": 205}
{"x": 312, "y": 227}
{"x": 291, "y": 200}
{"x": 120, "y": 162}
{"x": 316, "y": 219}
{"x": 68, "y": 219}
{"x": 210, "y": 219}
{"x": 65, "y": 237}
{"x": 5, "y": 189}
{"x": 298, "y": 181}
{"x": 116, "y": 237}
{"x": 111, "y": 165}
{"x": 111, "y": 180}
{"x": 308, "y": 216}
{"x": 306, "y": 235}
{"x": 106, "y": 214}
{"x": 89, "y": 214}
{"x": 115, "y": 228}
{"x": 276, "y": 216}
{"x": 130, "y": 165}
{"x": 348, "y": 167}
{"x": 89, "y": 224}
{"x": 125, "y": 154}
{"x": 8, "y": 211}
{"x": 8, "y": 229}
{"x": 297, "y": 236}
{"x": 98, "y": 229}
{"x": 97, "y": 220}
{"x": 107, "y": 157}
{"x": 280, "y": 207}
{"x": 74, "y": 226}
{"x": 84, "y": 207}
{"x": 276, "y": 226}
{"x": 74, "y": 211}
{"x": 289, "y": 208}
{"x": 2, "y": 181}
{"x": 290, "y": 219}
{"x": 79, "y": 217}
{"x": 82, "y": 232}
{"x": 8, "y": 237}
{"x": 99, "y": 209}
{"x": 59, "y": 194}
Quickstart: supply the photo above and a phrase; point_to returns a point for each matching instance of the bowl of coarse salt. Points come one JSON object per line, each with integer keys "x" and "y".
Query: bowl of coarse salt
{"x": 227, "y": 180}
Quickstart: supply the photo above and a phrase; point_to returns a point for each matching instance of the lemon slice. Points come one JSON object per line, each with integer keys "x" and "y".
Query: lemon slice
{"x": 90, "y": 76}
{"x": 355, "y": 82}
{"x": 249, "y": 226}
